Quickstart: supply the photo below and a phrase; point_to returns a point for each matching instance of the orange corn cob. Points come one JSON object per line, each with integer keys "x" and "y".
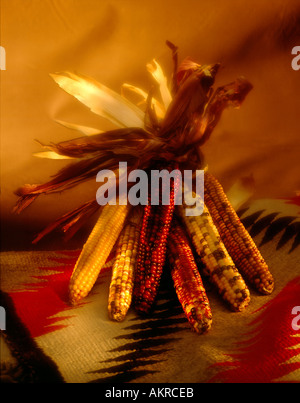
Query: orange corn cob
{"x": 152, "y": 251}
{"x": 236, "y": 238}
{"x": 187, "y": 280}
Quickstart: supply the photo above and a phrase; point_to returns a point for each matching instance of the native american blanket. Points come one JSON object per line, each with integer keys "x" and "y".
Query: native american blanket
{"x": 47, "y": 340}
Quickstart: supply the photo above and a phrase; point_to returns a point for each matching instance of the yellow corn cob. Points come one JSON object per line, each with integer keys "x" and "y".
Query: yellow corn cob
{"x": 187, "y": 280}
{"x": 218, "y": 264}
{"x": 96, "y": 250}
{"x": 122, "y": 281}
{"x": 236, "y": 238}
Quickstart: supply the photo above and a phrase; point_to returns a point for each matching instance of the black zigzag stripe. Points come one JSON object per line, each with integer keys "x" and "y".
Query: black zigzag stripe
{"x": 251, "y": 219}
{"x": 278, "y": 225}
{"x": 137, "y": 354}
{"x": 290, "y": 232}
{"x": 261, "y": 224}
{"x": 296, "y": 242}
{"x": 148, "y": 341}
{"x": 273, "y": 226}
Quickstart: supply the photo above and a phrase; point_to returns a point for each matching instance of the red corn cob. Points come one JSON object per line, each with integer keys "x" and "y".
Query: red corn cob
{"x": 152, "y": 250}
{"x": 187, "y": 280}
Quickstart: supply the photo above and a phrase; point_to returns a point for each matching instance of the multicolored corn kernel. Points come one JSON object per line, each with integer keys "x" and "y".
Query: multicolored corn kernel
{"x": 123, "y": 271}
{"x": 236, "y": 238}
{"x": 218, "y": 265}
{"x": 187, "y": 281}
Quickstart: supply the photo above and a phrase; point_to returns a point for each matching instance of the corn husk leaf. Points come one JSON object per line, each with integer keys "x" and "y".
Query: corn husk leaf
{"x": 157, "y": 73}
{"x": 71, "y": 221}
{"x": 51, "y": 155}
{"x": 159, "y": 109}
{"x": 185, "y": 69}
{"x": 135, "y": 90}
{"x": 189, "y": 100}
{"x": 105, "y": 150}
{"x": 174, "y": 49}
{"x": 100, "y": 99}
{"x": 232, "y": 94}
{"x": 68, "y": 177}
{"x": 134, "y": 142}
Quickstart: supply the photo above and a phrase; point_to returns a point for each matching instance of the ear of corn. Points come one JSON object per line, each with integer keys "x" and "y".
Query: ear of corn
{"x": 152, "y": 250}
{"x": 123, "y": 271}
{"x": 218, "y": 265}
{"x": 96, "y": 250}
{"x": 187, "y": 281}
{"x": 151, "y": 256}
{"x": 236, "y": 238}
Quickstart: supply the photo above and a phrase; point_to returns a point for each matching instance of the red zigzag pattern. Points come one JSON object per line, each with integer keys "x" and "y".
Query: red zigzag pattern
{"x": 262, "y": 358}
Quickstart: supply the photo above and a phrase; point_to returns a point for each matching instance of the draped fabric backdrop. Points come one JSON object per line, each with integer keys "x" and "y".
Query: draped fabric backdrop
{"x": 112, "y": 41}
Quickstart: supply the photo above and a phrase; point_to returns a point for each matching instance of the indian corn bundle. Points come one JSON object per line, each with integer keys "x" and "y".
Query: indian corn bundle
{"x": 165, "y": 128}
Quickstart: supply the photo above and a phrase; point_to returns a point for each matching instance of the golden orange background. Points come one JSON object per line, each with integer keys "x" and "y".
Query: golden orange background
{"x": 112, "y": 41}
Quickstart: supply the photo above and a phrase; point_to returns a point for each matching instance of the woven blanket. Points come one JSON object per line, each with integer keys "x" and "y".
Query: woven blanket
{"x": 47, "y": 340}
